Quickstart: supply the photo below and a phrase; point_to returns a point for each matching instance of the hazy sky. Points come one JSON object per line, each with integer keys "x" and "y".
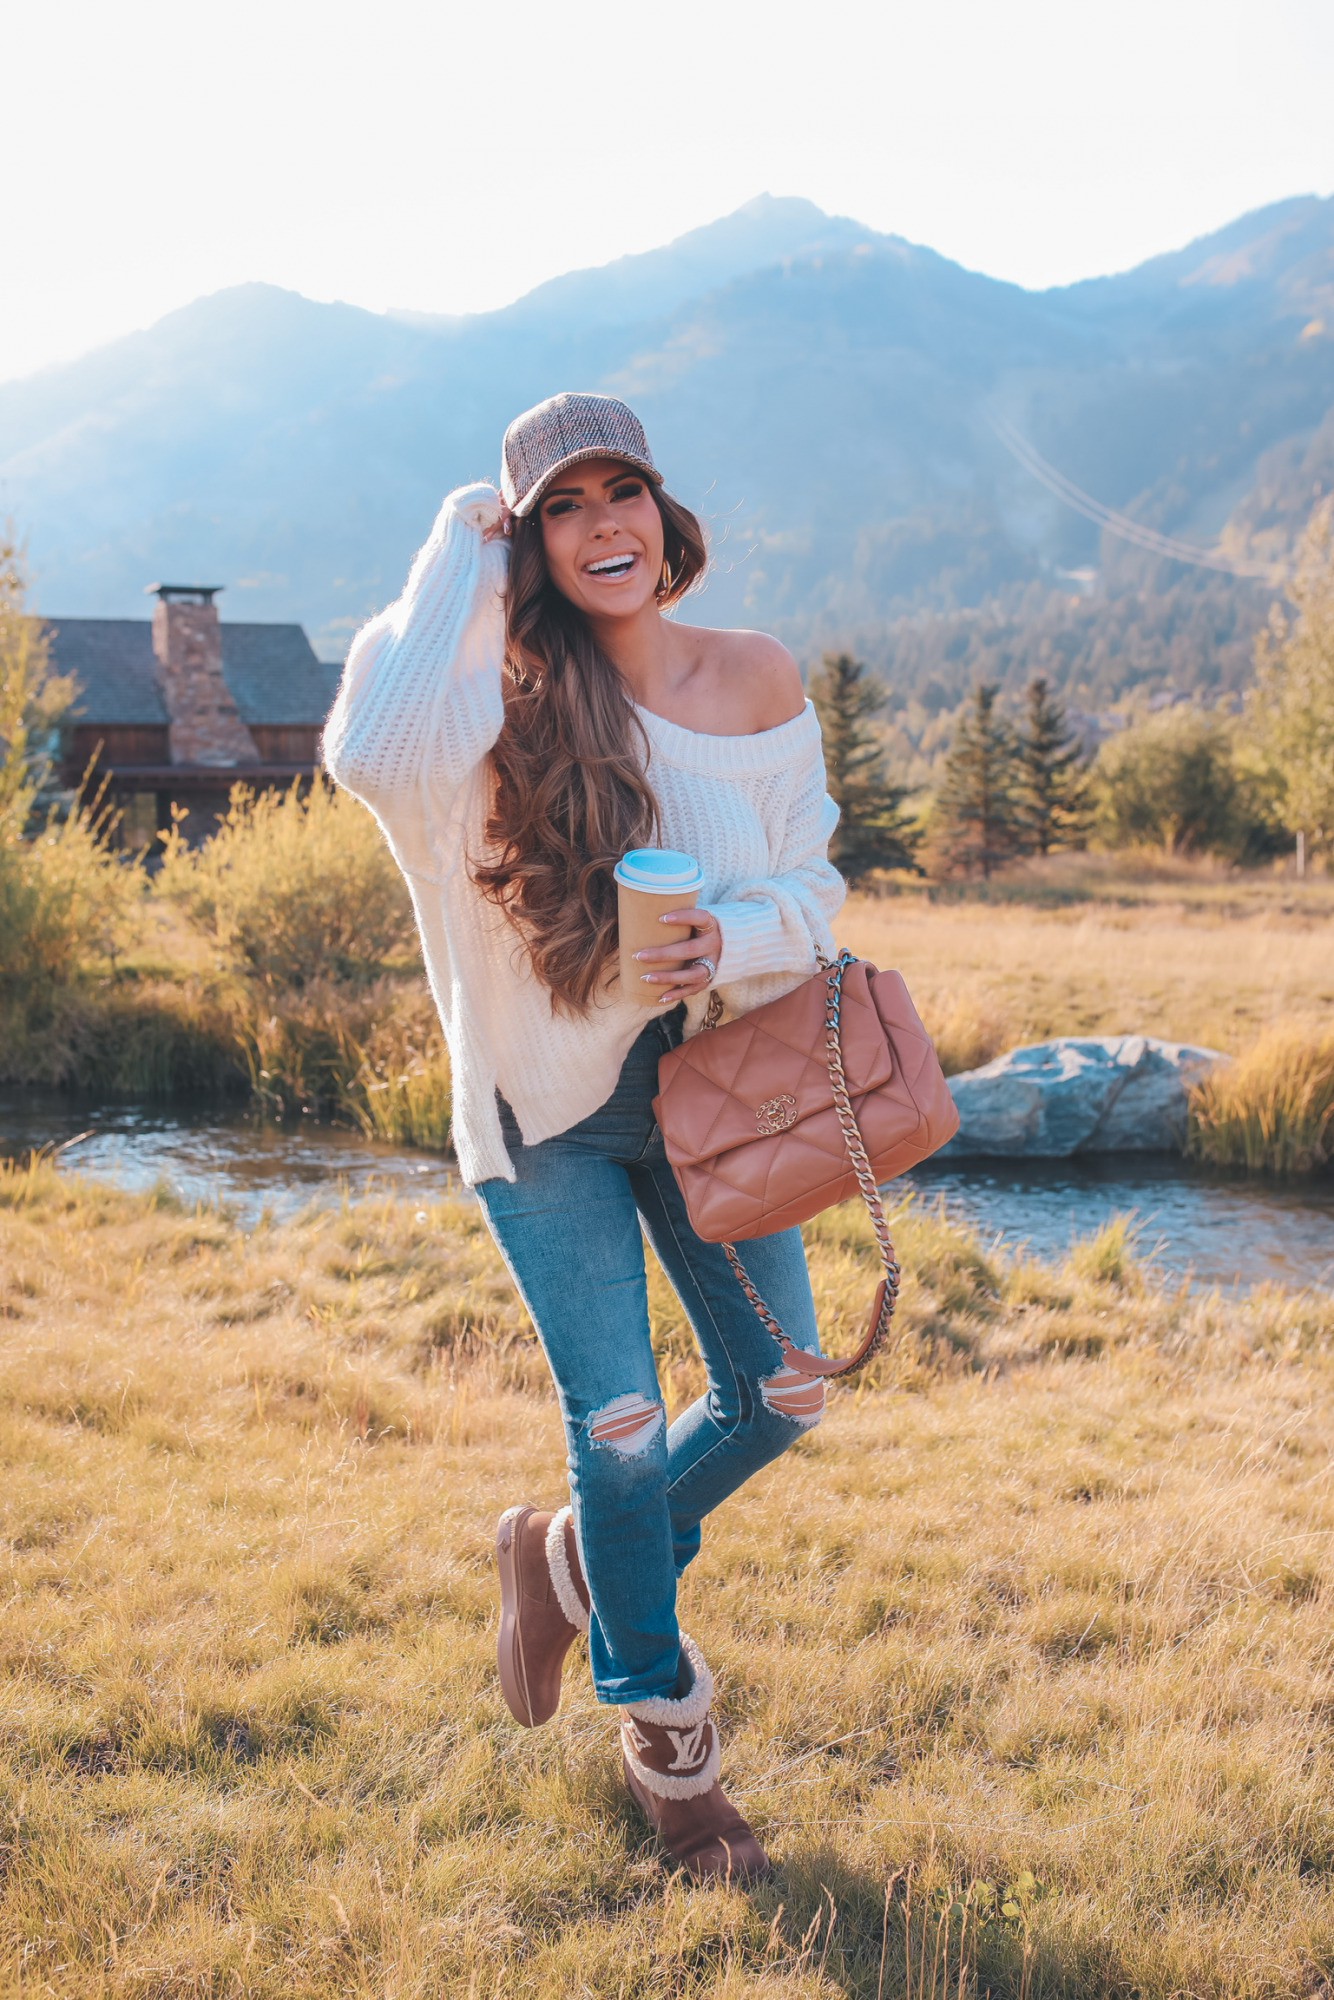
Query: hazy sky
{"x": 448, "y": 157}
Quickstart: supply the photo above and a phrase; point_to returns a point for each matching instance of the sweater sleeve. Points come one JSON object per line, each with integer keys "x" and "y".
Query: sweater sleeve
{"x": 421, "y": 693}
{"x": 775, "y": 925}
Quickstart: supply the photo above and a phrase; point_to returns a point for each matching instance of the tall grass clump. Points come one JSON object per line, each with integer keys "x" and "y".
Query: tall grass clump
{"x": 1272, "y": 1108}
{"x": 1109, "y": 1256}
{"x": 130, "y": 1038}
{"x": 294, "y": 887}
{"x": 373, "y": 1056}
{"x": 967, "y": 1032}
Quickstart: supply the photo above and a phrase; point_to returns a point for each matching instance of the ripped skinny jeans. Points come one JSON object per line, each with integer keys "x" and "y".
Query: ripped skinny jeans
{"x": 569, "y": 1228}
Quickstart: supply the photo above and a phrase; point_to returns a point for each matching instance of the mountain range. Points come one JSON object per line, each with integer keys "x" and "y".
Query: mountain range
{"x": 841, "y": 406}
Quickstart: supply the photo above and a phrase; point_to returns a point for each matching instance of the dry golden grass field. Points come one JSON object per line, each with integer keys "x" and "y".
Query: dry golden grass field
{"x": 1026, "y": 1655}
{"x": 1187, "y": 952}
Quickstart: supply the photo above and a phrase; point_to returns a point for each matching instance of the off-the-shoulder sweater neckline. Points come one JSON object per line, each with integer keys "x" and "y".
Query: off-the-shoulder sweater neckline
{"x": 696, "y": 751}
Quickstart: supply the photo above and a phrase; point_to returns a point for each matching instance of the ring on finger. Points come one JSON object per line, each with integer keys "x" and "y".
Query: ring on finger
{"x": 709, "y": 967}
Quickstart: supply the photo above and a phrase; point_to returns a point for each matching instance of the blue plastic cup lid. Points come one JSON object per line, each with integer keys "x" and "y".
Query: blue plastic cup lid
{"x": 660, "y": 869}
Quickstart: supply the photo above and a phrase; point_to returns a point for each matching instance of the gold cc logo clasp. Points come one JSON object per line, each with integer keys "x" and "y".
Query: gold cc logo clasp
{"x": 776, "y": 1114}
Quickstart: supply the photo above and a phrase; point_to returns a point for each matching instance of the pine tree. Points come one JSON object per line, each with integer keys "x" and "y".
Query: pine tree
{"x": 1053, "y": 776}
{"x": 872, "y": 830}
{"x": 978, "y": 806}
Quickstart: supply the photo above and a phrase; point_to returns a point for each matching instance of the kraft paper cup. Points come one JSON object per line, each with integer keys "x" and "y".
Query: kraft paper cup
{"x": 649, "y": 881}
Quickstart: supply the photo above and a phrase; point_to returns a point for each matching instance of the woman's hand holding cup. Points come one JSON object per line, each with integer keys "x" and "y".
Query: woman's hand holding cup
{"x": 671, "y": 969}
{"x": 662, "y": 930}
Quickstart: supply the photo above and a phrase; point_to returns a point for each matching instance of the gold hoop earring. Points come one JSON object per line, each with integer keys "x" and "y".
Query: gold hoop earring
{"x": 666, "y": 583}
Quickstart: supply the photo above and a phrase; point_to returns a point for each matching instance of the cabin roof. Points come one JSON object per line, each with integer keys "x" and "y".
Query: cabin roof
{"x": 271, "y": 670}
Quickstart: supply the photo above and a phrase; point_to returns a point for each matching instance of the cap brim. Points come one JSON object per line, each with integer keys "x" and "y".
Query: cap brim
{"x": 534, "y": 494}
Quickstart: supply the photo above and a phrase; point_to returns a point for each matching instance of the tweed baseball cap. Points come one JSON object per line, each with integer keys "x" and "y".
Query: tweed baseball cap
{"x": 564, "y": 431}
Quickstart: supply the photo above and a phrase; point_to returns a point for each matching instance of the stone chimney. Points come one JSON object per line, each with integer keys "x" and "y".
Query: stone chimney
{"x": 204, "y": 724}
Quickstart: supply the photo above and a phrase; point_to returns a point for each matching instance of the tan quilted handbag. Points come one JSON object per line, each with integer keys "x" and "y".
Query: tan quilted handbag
{"x": 796, "y": 1106}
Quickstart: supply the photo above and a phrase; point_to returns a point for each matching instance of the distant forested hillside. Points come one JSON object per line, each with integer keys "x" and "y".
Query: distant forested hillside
{"x": 1194, "y": 632}
{"x": 829, "y": 398}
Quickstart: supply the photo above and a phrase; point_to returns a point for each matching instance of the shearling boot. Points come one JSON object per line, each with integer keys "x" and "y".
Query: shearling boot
{"x": 543, "y": 1608}
{"x": 670, "y": 1749}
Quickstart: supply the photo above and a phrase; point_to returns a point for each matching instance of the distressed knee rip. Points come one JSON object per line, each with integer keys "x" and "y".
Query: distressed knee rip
{"x": 627, "y": 1424}
{"x": 798, "y": 1397}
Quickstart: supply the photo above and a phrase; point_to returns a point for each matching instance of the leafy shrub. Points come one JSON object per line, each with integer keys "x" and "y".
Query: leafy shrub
{"x": 65, "y": 902}
{"x": 295, "y": 887}
{"x": 32, "y": 697}
{"x": 64, "y": 895}
{"x": 1272, "y": 1108}
{"x": 1172, "y": 781}
{"x": 1291, "y": 705}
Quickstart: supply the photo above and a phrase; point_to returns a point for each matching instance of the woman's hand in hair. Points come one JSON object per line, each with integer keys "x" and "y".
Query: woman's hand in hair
{"x": 672, "y": 967}
{"x": 503, "y": 526}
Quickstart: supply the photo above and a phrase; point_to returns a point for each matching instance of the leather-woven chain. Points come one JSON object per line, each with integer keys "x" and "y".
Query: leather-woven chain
{"x": 887, "y": 1293}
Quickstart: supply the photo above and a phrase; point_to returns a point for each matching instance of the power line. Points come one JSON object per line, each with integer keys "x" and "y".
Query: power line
{"x": 1110, "y": 518}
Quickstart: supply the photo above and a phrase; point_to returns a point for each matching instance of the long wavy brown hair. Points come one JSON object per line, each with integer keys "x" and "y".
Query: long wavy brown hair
{"x": 570, "y": 791}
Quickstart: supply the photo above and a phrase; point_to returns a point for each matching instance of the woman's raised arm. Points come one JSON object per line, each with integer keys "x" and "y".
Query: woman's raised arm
{"x": 420, "y": 698}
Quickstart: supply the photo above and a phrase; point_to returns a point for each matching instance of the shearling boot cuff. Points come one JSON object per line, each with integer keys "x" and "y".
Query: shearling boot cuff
{"x": 560, "y": 1537}
{"x": 671, "y": 1745}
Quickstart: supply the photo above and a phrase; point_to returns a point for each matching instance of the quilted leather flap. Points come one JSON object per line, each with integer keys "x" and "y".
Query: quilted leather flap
{"x": 913, "y": 1047}
{"x": 767, "y": 1071}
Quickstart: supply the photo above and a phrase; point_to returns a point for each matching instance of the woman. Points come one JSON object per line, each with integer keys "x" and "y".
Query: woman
{"x": 519, "y": 719}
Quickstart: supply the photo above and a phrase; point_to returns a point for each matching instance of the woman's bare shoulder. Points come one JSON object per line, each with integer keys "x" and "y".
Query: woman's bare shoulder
{"x": 755, "y": 674}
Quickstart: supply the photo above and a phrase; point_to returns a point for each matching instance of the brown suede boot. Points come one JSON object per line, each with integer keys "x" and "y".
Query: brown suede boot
{"x": 543, "y": 1608}
{"x": 670, "y": 1749}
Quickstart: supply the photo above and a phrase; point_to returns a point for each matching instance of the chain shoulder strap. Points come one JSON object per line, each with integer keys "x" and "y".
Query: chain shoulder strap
{"x": 887, "y": 1292}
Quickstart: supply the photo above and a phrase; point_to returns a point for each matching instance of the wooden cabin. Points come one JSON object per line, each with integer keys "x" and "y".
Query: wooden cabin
{"x": 175, "y": 710}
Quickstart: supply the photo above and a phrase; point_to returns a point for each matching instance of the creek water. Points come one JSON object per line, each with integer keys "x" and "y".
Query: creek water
{"x": 1212, "y": 1228}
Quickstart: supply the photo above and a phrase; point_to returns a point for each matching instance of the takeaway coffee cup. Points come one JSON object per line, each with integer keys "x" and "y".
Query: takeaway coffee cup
{"x": 650, "y": 881}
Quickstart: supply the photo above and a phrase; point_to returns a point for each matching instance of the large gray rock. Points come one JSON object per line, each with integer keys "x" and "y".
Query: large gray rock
{"x": 1079, "y": 1094}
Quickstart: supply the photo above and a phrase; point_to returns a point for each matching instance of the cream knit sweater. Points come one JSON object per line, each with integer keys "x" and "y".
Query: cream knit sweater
{"x": 420, "y": 706}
